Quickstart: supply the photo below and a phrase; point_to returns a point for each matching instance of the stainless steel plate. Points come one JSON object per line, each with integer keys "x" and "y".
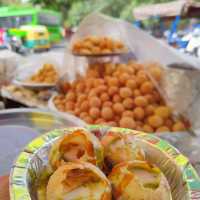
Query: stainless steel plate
{"x": 19, "y": 126}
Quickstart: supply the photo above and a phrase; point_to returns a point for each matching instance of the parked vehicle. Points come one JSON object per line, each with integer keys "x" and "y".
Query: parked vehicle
{"x": 16, "y": 16}
{"x": 34, "y": 37}
{"x": 171, "y": 11}
{"x": 17, "y": 46}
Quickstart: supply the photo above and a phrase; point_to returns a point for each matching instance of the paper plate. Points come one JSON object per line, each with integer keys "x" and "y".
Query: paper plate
{"x": 182, "y": 178}
{"x": 34, "y": 85}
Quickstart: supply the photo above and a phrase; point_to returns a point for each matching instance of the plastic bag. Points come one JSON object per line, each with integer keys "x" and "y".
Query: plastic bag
{"x": 8, "y": 66}
{"x": 32, "y": 64}
{"x": 179, "y": 87}
{"x": 96, "y": 25}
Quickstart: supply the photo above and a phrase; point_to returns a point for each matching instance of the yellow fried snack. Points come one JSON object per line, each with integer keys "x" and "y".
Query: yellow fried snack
{"x": 94, "y": 45}
{"x": 139, "y": 180}
{"x": 76, "y": 145}
{"x": 47, "y": 74}
{"x": 119, "y": 148}
{"x": 78, "y": 181}
{"x": 119, "y": 95}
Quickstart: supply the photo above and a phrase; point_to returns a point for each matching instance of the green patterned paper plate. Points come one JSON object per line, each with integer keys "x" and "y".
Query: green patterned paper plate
{"x": 182, "y": 178}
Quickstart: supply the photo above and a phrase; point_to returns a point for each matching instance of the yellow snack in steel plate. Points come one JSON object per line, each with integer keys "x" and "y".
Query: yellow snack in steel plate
{"x": 78, "y": 180}
{"x": 119, "y": 147}
{"x": 76, "y": 145}
{"x": 139, "y": 180}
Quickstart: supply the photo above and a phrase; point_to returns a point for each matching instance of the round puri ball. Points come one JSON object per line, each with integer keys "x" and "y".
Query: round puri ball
{"x": 107, "y": 104}
{"x": 69, "y": 105}
{"x": 147, "y": 128}
{"x": 78, "y": 180}
{"x": 139, "y": 113}
{"x": 82, "y": 97}
{"x": 116, "y": 98}
{"x": 125, "y": 92}
{"x": 112, "y": 81}
{"x": 162, "y": 129}
{"x": 83, "y": 114}
{"x": 140, "y": 101}
{"x": 150, "y": 98}
{"x": 123, "y": 78}
{"x": 118, "y": 108}
{"x": 102, "y": 88}
{"x": 118, "y": 148}
{"x": 136, "y": 93}
{"x": 76, "y": 145}
{"x": 94, "y": 112}
{"x": 107, "y": 113}
{"x": 146, "y": 87}
{"x": 84, "y": 106}
{"x": 131, "y": 84}
{"x": 88, "y": 119}
{"x": 156, "y": 72}
{"x": 80, "y": 87}
{"x": 163, "y": 111}
{"x": 139, "y": 180}
{"x": 71, "y": 96}
{"x": 128, "y": 103}
{"x": 94, "y": 102}
{"x": 128, "y": 113}
{"x": 127, "y": 122}
{"x": 149, "y": 110}
{"x": 112, "y": 90}
{"x": 155, "y": 121}
{"x": 178, "y": 126}
{"x": 104, "y": 97}
{"x": 141, "y": 78}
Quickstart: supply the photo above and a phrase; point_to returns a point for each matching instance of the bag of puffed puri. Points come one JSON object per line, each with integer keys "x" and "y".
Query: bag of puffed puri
{"x": 179, "y": 87}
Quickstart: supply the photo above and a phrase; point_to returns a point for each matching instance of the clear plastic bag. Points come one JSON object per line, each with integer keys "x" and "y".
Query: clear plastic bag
{"x": 8, "y": 66}
{"x": 179, "y": 87}
{"x": 31, "y": 65}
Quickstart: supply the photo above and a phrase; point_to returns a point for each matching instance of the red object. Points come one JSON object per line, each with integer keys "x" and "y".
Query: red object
{"x": 4, "y": 188}
{"x": 1, "y": 36}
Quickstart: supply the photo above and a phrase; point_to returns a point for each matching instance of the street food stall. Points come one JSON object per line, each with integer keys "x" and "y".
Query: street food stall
{"x": 124, "y": 98}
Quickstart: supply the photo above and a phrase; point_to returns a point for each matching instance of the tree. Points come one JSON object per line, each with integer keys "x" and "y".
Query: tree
{"x": 75, "y": 10}
{"x": 59, "y": 5}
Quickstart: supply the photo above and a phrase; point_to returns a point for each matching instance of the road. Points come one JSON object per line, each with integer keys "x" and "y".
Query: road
{"x": 55, "y": 54}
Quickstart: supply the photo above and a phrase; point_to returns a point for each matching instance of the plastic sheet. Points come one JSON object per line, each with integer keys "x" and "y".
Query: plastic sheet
{"x": 180, "y": 86}
{"x": 31, "y": 66}
{"x": 8, "y": 66}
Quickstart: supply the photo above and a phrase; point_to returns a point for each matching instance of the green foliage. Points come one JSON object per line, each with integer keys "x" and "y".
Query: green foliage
{"x": 75, "y": 10}
{"x": 80, "y": 9}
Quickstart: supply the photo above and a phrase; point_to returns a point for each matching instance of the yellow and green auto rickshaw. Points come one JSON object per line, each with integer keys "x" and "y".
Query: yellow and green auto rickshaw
{"x": 33, "y": 36}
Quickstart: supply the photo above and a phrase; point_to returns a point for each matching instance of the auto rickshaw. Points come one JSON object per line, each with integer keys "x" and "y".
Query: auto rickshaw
{"x": 33, "y": 37}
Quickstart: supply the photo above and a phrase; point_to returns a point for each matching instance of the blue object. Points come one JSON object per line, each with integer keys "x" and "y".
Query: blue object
{"x": 173, "y": 29}
{"x": 182, "y": 44}
{"x": 137, "y": 24}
